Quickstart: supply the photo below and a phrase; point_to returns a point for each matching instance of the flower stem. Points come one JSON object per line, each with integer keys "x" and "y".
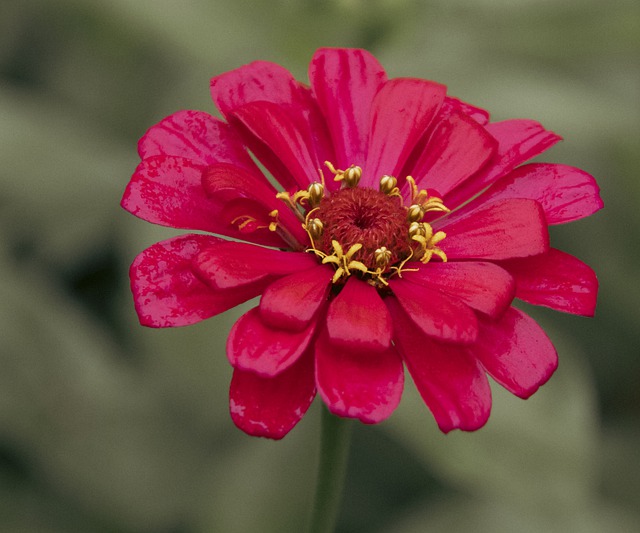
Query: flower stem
{"x": 334, "y": 448}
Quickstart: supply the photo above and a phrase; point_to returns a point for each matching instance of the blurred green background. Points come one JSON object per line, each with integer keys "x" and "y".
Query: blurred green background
{"x": 109, "y": 427}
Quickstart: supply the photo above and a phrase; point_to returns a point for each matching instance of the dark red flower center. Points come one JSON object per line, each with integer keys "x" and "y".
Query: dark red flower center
{"x": 368, "y": 217}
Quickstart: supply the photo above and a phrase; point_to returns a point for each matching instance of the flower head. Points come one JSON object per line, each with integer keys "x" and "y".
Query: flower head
{"x": 396, "y": 228}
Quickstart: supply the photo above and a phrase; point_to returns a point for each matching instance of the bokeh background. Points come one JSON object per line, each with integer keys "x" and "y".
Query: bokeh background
{"x": 109, "y": 427}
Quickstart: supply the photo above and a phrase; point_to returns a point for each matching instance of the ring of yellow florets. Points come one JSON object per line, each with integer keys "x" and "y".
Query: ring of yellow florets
{"x": 363, "y": 230}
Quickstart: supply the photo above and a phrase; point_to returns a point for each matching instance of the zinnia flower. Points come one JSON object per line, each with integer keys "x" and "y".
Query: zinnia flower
{"x": 395, "y": 228}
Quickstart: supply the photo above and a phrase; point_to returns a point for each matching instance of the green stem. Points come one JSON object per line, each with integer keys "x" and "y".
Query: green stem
{"x": 334, "y": 448}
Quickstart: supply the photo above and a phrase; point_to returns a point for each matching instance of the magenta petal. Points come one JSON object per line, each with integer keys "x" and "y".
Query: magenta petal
{"x": 457, "y": 148}
{"x": 353, "y": 386}
{"x": 435, "y": 313}
{"x": 228, "y": 183}
{"x": 518, "y": 141}
{"x": 272, "y": 406}
{"x": 197, "y": 136}
{"x": 482, "y": 286}
{"x": 291, "y": 144}
{"x": 358, "y": 320}
{"x": 451, "y": 104}
{"x": 255, "y": 346}
{"x": 260, "y": 81}
{"x": 516, "y": 352}
{"x": 565, "y": 193}
{"x": 402, "y": 110}
{"x": 228, "y": 265}
{"x": 450, "y": 381}
{"x": 166, "y": 291}
{"x": 557, "y": 280}
{"x": 344, "y": 82}
{"x": 291, "y": 302}
{"x": 498, "y": 230}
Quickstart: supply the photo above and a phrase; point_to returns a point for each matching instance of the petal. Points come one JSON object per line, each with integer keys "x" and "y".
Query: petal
{"x": 498, "y": 230}
{"x": 450, "y": 381}
{"x": 272, "y": 406}
{"x": 255, "y": 346}
{"x": 260, "y": 81}
{"x": 344, "y": 82}
{"x": 197, "y": 136}
{"x": 291, "y": 302}
{"x": 482, "y": 286}
{"x": 457, "y": 148}
{"x": 228, "y": 265}
{"x": 227, "y": 183}
{"x": 436, "y": 314}
{"x": 166, "y": 291}
{"x": 168, "y": 190}
{"x": 353, "y": 386}
{"x": 565, "y": 193}
{"x": 451, "y": 104}
{"x": 358, "y": 320}
{"x": 518, "y": 141}
{"x": 557, "y": 280}
{"x": 401, "y": 112}
{"x": 516, "y": 352}
{"x": 290, "y": 144}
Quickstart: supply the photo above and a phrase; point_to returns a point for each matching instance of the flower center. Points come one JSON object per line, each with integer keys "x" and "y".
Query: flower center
{"x": 366, "y": 231}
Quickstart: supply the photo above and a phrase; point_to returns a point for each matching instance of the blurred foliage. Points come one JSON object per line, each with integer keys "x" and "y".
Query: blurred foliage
{"x": 109, "y": 427}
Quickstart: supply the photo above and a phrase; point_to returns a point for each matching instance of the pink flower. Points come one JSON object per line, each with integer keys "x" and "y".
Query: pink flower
{"x": 402, "y": 225}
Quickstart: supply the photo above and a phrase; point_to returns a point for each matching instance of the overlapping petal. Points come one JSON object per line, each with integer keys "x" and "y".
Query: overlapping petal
{"x": 557, "y": 280}
{"x": 230, "y": 265}
{"x": 436, "y": 314}
{"x": 355, "y": 386}
{"x": 400, "y": 114}
{"x": 516, "y": 352}
{"x": 357, "y": 319}
{"x": 272, "y": 406}
{"x": 166, "y": 290}
{"x": 497, "y": 230}
{"x": 344, "y": 83}
{"x": 450, "y": 380}
{"x": 291, "y": 302}
{"x": 483, "y": 286}
{"x": 565, "y": 193}
{"x": 255, "y": 346}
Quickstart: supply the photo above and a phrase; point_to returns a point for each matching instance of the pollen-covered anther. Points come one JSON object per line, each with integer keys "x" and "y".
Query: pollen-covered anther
{"x": 382, "y": 256}
{"x": 388, "y": 185}
{"x": 415, "y": 213}
{"x": 422, "y": 233}
{"x": 350, "y": 177}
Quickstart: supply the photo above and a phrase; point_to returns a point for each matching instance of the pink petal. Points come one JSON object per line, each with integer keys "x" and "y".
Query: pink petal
{"x": 197, "y": 136}
{"x": 457, "y": 148}
{"x": 565, "y": 193}
{"x": 450, "y": 104}
{"x": 272, "y": 406}
{"x": 482, "y": 286}
{"x": 344, "y": 83}
{"x": 434, "y": 313}
{"x": 358, "y": 320}
{"x": 255, "y": 346}
{"x": 290, "y": 144}
{"x": 260, "y": 81}
{"x": 450, "y": 381}
{"x": 168, "y": 190}
{"x": 355, "y": 386}
{"x": 498, "y": 230}
{"x": 516, "y": 352}
{"x": 401, "y": 112}
{"x": 228, "y": 183}
{"x": 518, "y": 141}
{"x": 291, "y": 302}
{"x": 557, "y": 280}
{"x": 166, "y": 291}
{"x": 228, "y": 265}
